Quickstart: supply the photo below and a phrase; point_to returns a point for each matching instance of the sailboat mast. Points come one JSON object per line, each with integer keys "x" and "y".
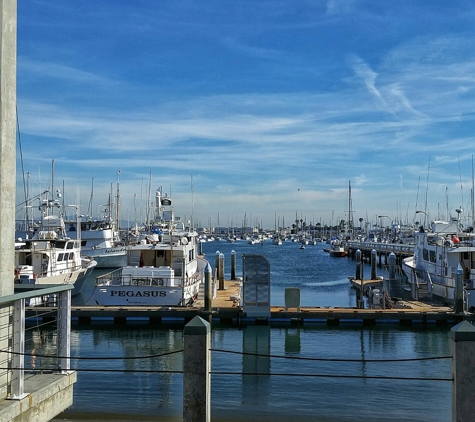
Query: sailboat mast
{"x": 118, "y": 201}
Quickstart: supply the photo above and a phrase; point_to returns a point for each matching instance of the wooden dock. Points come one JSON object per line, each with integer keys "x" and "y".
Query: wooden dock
{"x": 226, "y": 310}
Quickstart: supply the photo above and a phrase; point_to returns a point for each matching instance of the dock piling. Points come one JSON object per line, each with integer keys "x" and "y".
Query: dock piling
{"x": 196, "y": 371}
{"x": 358, "y": 265}
{"x": 208, "y": 288}
{"x": 221, "y": 271}
{"x": 463, "y": 371}
{"x": 373, "y": 264}
{"x": 233, "y": 265}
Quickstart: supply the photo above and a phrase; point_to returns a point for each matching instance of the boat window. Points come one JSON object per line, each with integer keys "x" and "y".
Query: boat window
{"x": 71, "y": 255}
{"x": 83, "y": 243}
{"x": 432, "y": 256}
{"x": 139, "y": 282}
{"x": 60, "y": 257}
{"x": 425, "y": 254}
{"x": 157, "y": 281}
{"x": 70, "y": 245}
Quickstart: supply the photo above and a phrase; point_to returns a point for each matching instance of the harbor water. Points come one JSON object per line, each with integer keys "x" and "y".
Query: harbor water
{"x": 281, "y": 372}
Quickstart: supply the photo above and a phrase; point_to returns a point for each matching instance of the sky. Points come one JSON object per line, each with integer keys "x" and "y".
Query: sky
{"x": 255, "y": 111}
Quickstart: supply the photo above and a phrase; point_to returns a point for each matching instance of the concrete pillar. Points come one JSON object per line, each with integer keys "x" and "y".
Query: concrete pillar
{"x": 208, "y": 288}
{"x": 463, "y": 372}
{"x": 373, "y": 264}
{"x": 233, "y": 265}
{"x": 7, "y": 145}
{"x": 458, "y": 298}
{"x": 221, "y": 271}
{"x": 196, "y": 371}
{"x": 8, "y": 42}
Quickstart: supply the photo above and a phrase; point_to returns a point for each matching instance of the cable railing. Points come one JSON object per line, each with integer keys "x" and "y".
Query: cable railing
{"x": 19, "y": 333}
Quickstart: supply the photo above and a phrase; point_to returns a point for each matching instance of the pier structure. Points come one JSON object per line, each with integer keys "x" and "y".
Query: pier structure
{"x": 383, "y": 250}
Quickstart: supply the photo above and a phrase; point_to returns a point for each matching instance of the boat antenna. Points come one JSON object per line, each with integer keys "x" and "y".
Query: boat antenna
{"x": 461, "y": 186}
{"x": 427, "y": 186}
{"x": 89, "y": 209}
{"x": 22, "y": 166}
{"x": 192, "y": 204}
{"x": 473, "y": 193}
{"x": 118, "y": 200}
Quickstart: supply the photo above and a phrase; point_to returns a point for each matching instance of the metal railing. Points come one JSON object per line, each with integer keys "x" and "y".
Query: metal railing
{"x": 382, "y": 247}
{"x": 15, "y": 325}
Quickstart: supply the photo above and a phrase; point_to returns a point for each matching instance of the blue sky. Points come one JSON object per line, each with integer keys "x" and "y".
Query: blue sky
{"x": 269, "y": 107}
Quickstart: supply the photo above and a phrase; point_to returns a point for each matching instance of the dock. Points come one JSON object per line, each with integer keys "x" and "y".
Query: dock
{"x": 226, "y": 309}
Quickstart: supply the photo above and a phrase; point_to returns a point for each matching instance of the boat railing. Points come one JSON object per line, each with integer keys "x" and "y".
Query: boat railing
{"x": 108, "y": 277}
{"x": 429, "y": 281}
{"x": 195, "y": 278}
{"x": 145, "y": 280}
{"x": 20, "y": 333}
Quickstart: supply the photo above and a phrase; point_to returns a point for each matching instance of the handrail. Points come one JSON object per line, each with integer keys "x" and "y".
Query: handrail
{"x": 389, "y": 247}
{"x": 34, "y": 292}
{"x": 16, "y": 335}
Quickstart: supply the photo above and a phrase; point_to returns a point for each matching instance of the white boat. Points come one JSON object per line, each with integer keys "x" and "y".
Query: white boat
{"x": 337, "y": 249}
{"x": 164, "y": 269}
{"x": 50, "y": 257}
{"x": 437, "y": 255}
{"x": 100, "y": 240}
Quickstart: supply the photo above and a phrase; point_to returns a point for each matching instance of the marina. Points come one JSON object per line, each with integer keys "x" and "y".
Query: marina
{"x": 327, "y": 325}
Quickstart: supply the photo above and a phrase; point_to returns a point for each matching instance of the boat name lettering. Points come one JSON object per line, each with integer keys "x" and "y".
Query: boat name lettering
{"x": 131, "y": 293}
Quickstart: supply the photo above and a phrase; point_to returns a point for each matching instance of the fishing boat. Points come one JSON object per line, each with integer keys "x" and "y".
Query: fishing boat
{"x": 100, "y": 237}
{"x": 438, "y": 254}
{"x": 50, "y": 257}
{"x": 337, "y": 249}
{"x": 100, "y": 240}
{"x": 164, "y": 269}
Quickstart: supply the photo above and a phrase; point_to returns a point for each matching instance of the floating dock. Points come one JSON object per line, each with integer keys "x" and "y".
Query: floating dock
{"x": 227, "y": 310}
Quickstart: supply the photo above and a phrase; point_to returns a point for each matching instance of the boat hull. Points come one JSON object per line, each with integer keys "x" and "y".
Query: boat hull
{"x": 144, "y": 296}
{"x": 108, "y": 257}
